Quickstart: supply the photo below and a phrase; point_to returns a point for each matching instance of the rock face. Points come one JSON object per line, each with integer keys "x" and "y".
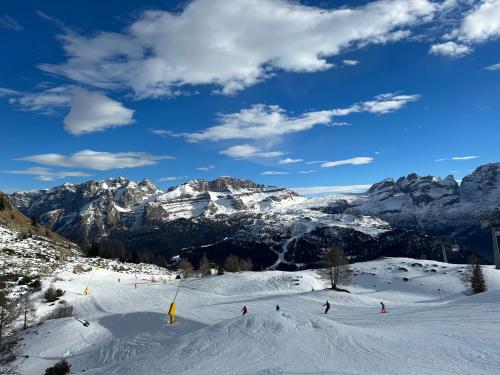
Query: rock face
{"x": 434, "y": 206}
{"x": 274, "y": 226}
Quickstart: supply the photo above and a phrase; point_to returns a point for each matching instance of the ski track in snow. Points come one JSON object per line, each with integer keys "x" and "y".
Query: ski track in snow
{"x": 421, "y": 333}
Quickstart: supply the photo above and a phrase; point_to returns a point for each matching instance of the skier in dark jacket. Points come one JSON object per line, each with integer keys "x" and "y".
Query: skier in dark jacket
{"x": 244, "y": 310}
{"x": 382, "y": 307}
{"x": 277, "y": 307}
{"x": 327, "y": 304}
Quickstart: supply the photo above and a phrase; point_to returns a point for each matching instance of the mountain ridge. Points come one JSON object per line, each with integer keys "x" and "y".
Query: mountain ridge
{"x": 241, "y": 215}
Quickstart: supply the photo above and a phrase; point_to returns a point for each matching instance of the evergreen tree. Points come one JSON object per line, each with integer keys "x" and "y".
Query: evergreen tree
{"x": 34, "y": 222}
{"x": 473, "y": 278}
{"x": 2, "y": 202}
{"x": 60, "y": 368}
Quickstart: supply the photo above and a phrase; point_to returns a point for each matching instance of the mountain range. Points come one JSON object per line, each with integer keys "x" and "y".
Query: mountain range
{"x": 275, "y": 226}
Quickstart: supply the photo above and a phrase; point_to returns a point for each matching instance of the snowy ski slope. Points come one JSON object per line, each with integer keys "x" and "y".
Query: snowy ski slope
{"x": 425, "y": 331}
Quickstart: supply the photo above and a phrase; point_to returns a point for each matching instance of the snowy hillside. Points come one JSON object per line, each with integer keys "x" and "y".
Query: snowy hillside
{"x": 431, "y": 326}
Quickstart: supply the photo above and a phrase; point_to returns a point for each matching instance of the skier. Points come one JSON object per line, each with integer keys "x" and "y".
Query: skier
{"x": 327, "y": 304}
{"x": 118, "y": 281}
{"x": 244, "y": 310}
{"x": 277, "y": 307}
{"x": 135, "y": 286}
{"x": 382, "y": 307}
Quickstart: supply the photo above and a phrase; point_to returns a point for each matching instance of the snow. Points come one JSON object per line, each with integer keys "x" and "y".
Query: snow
{"x": 422, "y": 333}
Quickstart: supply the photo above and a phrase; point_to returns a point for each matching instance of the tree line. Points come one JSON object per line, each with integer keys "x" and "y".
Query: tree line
{"x": 114, "y": 249}
{"x": 232, "y": 263}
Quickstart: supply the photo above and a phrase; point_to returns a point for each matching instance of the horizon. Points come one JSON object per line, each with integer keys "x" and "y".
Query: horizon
{"x": 307, "y": 191}
{"x": 177, "y": 91}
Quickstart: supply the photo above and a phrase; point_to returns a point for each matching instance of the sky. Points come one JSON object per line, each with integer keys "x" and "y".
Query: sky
{"x": 321, "y": 96}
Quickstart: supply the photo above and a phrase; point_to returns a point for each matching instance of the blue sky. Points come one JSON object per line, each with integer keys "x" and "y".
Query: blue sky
{"x": 304, "y": 94}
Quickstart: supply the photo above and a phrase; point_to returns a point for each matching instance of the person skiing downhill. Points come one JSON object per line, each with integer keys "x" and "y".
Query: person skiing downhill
{"x": 244, "y": 310}
{"x": 382, "y": 307}
{"x": 327, "y": 304}
{"x": 277, "y": 307}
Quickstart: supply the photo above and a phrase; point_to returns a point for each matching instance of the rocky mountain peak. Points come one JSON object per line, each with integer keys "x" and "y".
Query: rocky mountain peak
{"x": 482, "y": 185}
{"x": 224, "y": 184}
{"x": 416, "y": 185}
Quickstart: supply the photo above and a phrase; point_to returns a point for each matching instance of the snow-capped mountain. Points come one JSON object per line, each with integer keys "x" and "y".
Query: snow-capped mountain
{"x": 434, "y": 206}
{"x": 275, "y": 226}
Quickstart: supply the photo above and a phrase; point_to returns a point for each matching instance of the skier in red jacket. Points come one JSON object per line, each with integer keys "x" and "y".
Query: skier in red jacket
{"x": 244, "y": 310}
{"x": 382, "y": 307}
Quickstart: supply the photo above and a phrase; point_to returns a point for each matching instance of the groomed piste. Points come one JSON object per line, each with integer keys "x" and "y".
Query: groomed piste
{"x": 431, "y": 327}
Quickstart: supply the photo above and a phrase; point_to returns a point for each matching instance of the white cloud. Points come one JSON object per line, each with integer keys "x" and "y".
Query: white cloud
{"x": 249, "y": 152}
{"x": 260, "y": 122}
{"x": 207, "y": 168}
{"x": 164, "y": 133}
{"x": 354, "y": 161}
{"x": 171, "y": 178}
{"x": 350, "y": 62}
{"x": 481, "y": 24}
{"x": 270, "y": 121}
{"x": 9, "y": 23}
{"x": 493, "y": 67}
{"x": 451, "y": 49}
{"x": 93, "y": 111}
{"x": 313, "y": 190}
{"x": 47, "y": 174}
{"x": 46, "y": 101}
{"x": 290, "y": 161}
{"x": 316, "y": 162}
{"x": 273, "y": 173}
{"x": 101, "y": 161}
{"x": 470, "y": 157}
{"x": 386, "y": 103}
{"x": 161, "y": 51}
{"x": 464, "y": 157}
{"x": 8, "y": 92}
{"x": 307, "y": 171}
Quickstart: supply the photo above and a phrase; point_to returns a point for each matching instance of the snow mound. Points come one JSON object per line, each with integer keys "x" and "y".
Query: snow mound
{"x": 283, "y": 343}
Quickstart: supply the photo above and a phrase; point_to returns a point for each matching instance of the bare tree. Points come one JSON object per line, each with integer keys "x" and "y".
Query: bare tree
{"x": 9, "y": 312}
{"x": 186, "y": 267}
{"x": 246, "y": 264}
{"x": 336, "y": 267}
{"x": 473, "y": 277}
{"x": 28, "y": 310}
{"x": 232, "y": 263}
{"x": 204, "y": 267}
